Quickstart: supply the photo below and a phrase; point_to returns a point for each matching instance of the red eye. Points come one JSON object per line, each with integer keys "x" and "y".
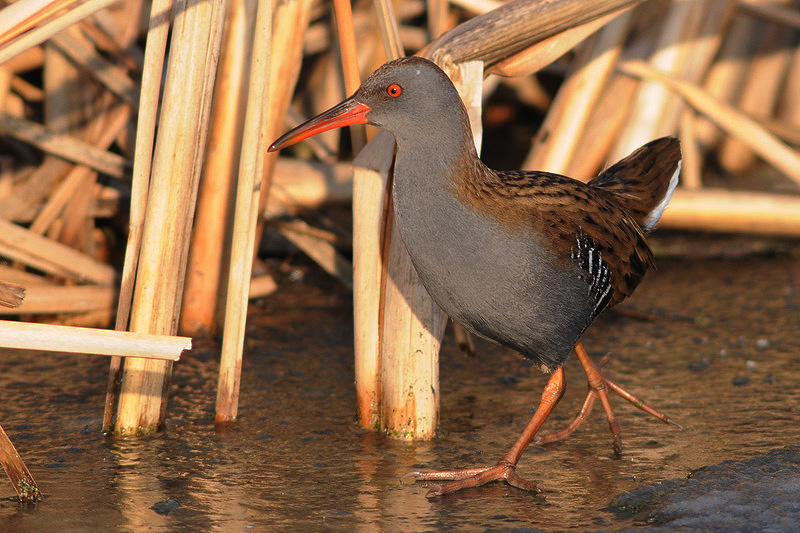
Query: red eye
{"x": 394, "y": 90}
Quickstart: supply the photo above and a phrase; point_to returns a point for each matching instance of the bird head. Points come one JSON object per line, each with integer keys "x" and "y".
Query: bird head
{"x": 403, "y": 96}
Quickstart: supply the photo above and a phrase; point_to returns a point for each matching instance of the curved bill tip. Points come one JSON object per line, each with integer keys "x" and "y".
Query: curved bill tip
{"x": 346, "y": 113}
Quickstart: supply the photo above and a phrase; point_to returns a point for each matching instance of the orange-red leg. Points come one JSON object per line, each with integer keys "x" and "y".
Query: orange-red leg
{"x": 598, "y": 388}
{"x": 507, "y": 466}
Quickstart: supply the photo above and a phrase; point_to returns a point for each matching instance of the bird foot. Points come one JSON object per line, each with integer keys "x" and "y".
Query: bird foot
{"x": 598, "y": 388}
{"x": 472, "y": 477}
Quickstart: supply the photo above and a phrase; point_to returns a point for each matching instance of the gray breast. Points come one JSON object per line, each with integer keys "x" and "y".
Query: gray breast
{"x": 499, "y": 284}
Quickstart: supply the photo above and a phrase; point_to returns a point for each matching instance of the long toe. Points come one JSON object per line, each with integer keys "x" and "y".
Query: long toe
{"x": 473, "y": 477}
{"x": 598, "y": 386}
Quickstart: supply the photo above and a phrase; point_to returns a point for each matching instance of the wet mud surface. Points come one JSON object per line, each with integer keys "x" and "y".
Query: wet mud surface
{"x": 721, "y": 356}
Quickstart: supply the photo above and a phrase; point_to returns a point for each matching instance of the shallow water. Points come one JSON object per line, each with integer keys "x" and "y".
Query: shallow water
{"x": 721, "y": 357}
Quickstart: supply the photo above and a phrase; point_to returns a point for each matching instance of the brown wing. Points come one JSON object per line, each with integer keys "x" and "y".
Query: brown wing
{"x": 583, "y": 224}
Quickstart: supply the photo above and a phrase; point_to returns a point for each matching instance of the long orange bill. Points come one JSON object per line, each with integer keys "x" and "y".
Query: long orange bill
{"x": 348, "y": 112}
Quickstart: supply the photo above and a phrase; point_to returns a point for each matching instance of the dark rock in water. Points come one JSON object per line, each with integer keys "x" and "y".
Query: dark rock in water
{"x": 758, "y": 494}
{"x": 698, "y": 365}
{"x": 166, "y": 506}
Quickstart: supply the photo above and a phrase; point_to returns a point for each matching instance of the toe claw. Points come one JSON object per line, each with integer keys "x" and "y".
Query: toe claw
{"x": 409, "y": 477}
{"x": 435, "y": 490}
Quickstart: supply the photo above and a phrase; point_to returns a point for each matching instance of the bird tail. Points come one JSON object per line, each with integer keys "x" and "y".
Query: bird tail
{"x": 642, "y": 183}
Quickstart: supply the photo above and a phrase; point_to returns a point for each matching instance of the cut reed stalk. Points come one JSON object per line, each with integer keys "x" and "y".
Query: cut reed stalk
{"x": 48, "y": 299}
{"x": 252, "y": 168}
{"x": 148, "y": 101}
{"x": 17, "y": 472}
{"x": 178, "y": 154}
{"x": 11, "y": 295}
{"x": 371, "y": 241}
{"x": 69, "y": 339}
{"x": 370, "y": 200}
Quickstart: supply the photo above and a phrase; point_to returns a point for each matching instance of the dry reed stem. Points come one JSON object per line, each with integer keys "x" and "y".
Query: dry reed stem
{"x": 20, "y": 16}
{"x": 27, "y": 91}
{"x": 86, "y": 56}
{"x": 370, "y": 242}
{"x": 726, "y": 76}
{"x": 370, "y": 202}
{"x": 438, "y": 20}
{"x": 252, "y": 168}
{"x": 727, "y": 211}
{"x": 74, "y": 228}
{"x": 692, "y": 164}
{"x": 9, "y": 49}
{"x": 306, "y": 184}
{"x": 347, "y": 45}
{"x": 65, "y": 190}
{"x": 412, "y": 325}
{"x": 64, "y": 146}
{"x": 347, "y": 49}
{"x": 30, "y": 59}
{"x": 178, "y": 154}
{"x": 261, "y": 286}
{"x": 90, "y": 341}
{"x": 516, "y": 25}
{"x": 290, "y": 22}
{"x": 320, "y": 250}
{"x": 786, "y": 131}
{"x": 47, "y": 299}
{"x": 760, "y": 91}
{"x": 789, "y": 105}
{"x": 300, "y": 227}
{"x": 544, "y": 52}
{"x": 209, "y": 253}
{"x": 30, "y": 192}
{"x": 728, "y": 119}
{"x": 557, "y": 140}
{"x": 772, "y": 12}
{"x": 389, "y": 30}
{"x": 22, "y": 277}
{"x": 686, "y": 43}
{"x": 145, "y": 135}
{"x": 11, "y": 295}
{"x": 27, "y": 247}
{"x": 17, "y": 472}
